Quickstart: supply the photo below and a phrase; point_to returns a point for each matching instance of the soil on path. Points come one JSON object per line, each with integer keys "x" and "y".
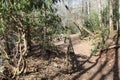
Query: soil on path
{"x": 49, "y": 66}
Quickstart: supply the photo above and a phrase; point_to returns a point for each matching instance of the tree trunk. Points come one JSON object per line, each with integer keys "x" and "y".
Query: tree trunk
{"x": 119, "y": 16}
{"x": 83, "y": 11}
{"x": 87, "y": 7}
{"x": 111, "y": 16}
{"x": 28, "y": 37}
{"x": 100, "y": 17}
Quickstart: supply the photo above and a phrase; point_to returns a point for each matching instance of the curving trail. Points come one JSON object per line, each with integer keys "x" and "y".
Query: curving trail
{"x": 82, "y": 47}
{"x": 103, "y": 66}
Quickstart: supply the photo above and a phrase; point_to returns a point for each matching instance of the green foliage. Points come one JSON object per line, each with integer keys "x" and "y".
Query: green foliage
{"x": 50, "y": 21}
{"x": 1, "y": 26}
{"x": 116, "y": 11}
{"x": 105, "y": 32}
{"x": 105, "y": 16}
{"x": 92, "y": 22}
{"x": 22, "y": 19}
{"x": 95, "y": 49}
{"x": 45, "y": 16}
{"x": 104, "y": 36}
{"x": 72, "y": 29}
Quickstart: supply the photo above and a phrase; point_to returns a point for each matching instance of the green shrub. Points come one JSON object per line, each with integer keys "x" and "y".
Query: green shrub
{"x": 92, "y": 22}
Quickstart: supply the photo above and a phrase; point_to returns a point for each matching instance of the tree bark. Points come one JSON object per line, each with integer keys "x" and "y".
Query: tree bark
{"x": 119, "y": 16}
{"x": 28, "y": 37}
{"x": 111, "y": 15}
{"x": 100, "y": 17}
{"x": 88, "y": 7}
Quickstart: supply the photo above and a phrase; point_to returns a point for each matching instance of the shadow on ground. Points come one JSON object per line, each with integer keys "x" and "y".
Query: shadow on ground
{"x": 104, "y": 66}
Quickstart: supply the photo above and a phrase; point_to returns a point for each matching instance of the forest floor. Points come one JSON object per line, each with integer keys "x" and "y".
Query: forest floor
{"x": 51, "y": 66}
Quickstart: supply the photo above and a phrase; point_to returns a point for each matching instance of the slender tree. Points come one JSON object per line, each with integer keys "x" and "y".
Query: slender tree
{"x": 100, "y": 8}
{"x": 119, "y": 15}
{"x": 111, "y": 15}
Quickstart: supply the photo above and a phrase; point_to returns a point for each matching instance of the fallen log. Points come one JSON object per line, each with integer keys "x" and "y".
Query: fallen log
{"x": 79, "y": 26}
{"x": 111, "y": 47}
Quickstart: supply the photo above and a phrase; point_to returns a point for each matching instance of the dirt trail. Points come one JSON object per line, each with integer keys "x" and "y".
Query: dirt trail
{"x": 82, "y": 47}
{"x": 104, "y": 66}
